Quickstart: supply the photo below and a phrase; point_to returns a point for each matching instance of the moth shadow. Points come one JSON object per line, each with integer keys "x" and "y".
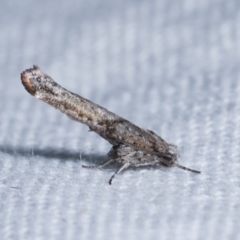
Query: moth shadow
{"x": 53, "y": 153}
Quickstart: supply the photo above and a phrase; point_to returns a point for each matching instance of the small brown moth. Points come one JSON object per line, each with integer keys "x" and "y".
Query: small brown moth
{"x": 132, "y": 145}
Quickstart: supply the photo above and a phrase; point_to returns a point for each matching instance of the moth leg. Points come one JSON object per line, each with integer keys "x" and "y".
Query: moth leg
{"x": 100, "y": 165}
{"x": 126, "y": 165}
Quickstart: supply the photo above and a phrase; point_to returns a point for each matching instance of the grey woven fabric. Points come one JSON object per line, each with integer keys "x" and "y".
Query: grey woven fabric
{"x": 169, "y": 66}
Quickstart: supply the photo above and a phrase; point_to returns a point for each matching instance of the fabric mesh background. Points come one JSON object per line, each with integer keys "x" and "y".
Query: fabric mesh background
{"x": 169, "y": 66}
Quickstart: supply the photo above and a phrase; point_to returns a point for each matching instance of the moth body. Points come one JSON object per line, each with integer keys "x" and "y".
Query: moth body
{"x": 132, "y": 145}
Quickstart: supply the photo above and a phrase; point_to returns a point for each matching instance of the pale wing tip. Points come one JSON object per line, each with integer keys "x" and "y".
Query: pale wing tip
{"x": 26, "y": 77}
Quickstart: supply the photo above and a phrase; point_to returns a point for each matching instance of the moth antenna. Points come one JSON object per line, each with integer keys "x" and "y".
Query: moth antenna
{"x": 185, "y": 168}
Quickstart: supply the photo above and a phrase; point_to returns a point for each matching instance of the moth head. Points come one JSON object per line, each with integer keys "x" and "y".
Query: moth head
{"x": 172, "y": 151}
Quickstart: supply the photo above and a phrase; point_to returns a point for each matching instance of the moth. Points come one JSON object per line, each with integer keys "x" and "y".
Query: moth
{"x": 131, "y": 145}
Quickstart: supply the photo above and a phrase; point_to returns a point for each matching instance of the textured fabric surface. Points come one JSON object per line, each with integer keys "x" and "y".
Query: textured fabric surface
{"x": 169, "y": 66}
